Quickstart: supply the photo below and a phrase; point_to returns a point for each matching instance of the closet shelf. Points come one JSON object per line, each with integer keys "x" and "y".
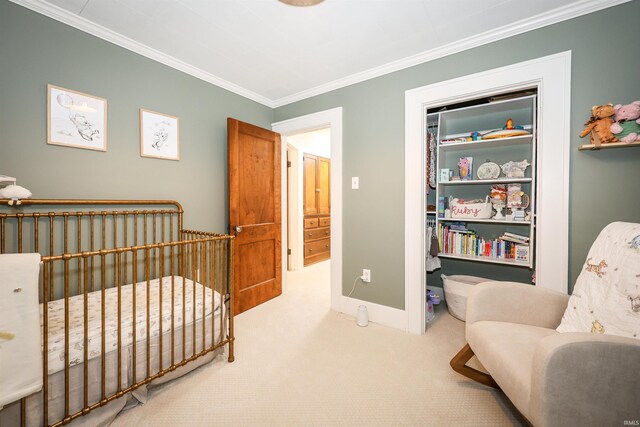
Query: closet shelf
{"x": 485, "y": 181}
{"x": 488, "y": 221}
{"x": 486, "y": 143}
{"x": 506, "y": 261}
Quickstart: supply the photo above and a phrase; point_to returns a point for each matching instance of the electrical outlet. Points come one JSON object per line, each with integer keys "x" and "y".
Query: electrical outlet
{"x": 366, "y": 275}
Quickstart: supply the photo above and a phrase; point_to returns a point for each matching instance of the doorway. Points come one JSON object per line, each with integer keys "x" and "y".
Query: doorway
{"x": 309, "y": 192}
{"x": 331, "y": 120}
{"x": 551, "y": 75}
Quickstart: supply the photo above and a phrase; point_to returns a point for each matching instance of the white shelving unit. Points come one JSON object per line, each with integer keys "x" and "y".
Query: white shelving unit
{"x": 461, "y": 122}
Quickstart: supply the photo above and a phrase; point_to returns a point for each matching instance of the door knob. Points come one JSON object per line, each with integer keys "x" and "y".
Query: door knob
{"x": 238, "y": 229}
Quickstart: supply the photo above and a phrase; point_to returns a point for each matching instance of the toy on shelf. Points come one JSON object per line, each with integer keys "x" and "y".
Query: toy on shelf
{"x": 515, "y": 169}
{"x": 508, "y": 130}
{"x": 627, "y": 122}
{"x": 498, "y": 197}
{"x": 488, "y": 170}
{"x": 466, "y": 168}
{"x": 516, "y": 198}
{"x": 599, "y": 125}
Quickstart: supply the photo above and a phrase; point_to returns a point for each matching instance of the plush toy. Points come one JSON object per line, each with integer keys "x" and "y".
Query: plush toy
{"x": 599, "y": 125}
{"x": 14, "y": 193}
{"x": 627, "y": 122}
{"x": 515, "y": 169}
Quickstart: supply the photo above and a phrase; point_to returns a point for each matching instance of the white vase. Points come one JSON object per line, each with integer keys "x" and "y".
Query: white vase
{"x": 363, "y": 317}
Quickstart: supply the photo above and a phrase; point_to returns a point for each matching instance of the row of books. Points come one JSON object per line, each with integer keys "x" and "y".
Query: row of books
{"x": 459, "y": 240}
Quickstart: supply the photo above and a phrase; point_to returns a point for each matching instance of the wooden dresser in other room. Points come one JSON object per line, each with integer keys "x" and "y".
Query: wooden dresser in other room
{"x": 317, "y": 209}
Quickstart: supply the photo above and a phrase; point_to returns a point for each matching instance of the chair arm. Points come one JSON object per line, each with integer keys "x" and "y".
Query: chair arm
{"x": 515, "y": 303}
{"x": 580, "y": 378}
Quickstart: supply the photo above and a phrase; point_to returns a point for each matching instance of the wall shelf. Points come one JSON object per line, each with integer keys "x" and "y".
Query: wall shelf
{"x": 592, "y": 147}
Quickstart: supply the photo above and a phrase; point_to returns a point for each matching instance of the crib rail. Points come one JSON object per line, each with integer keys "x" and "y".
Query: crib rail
{"x": 50, "y": 232}
{"x": 97, "y": 255}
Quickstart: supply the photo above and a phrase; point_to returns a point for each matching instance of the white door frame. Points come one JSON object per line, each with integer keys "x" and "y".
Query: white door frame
{"x": 552, "y": 76}
{"x": 295, "y": 223}
{"x": 333, "y": 119}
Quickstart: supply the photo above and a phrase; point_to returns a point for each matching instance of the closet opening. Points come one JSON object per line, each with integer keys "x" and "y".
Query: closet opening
{"x": 480, "y": 184}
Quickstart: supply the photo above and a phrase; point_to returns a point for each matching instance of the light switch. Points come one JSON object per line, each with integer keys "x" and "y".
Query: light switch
{"x": 355, "y": 182}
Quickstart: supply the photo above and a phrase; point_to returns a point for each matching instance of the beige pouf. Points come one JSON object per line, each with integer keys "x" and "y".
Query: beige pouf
{"x": 456, "y": 290}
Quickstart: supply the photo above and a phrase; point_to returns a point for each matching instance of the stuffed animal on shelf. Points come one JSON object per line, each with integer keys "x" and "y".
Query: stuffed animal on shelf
{"x": 627, "y": 122}
{"x": 14, "y": 193}
{"x": 515, "y": 169}
{"x": 599, "y": 125}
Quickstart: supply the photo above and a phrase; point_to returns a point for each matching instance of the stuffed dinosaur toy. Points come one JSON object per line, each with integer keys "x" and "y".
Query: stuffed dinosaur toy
{"x": 599, "y": 125}
{"x": 627, "y": 122}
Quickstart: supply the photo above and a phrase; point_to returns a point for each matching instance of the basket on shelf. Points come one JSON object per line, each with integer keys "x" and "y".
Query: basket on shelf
{"x": 474, "y": 210}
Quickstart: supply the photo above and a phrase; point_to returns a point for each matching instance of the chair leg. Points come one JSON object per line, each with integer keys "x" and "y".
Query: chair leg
{"x": 458, "y": 363}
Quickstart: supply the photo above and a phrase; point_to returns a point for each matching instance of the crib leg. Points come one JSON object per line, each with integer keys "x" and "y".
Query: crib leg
{"x": 231, "y": 354}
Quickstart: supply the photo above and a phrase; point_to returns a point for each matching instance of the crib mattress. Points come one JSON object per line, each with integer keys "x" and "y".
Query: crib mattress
{"x": 56, "y": 316}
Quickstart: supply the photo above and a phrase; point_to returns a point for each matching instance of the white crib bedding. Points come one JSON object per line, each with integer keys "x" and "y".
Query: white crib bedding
{"x": 56, "y": 316}
{"x": 10, "y": 415}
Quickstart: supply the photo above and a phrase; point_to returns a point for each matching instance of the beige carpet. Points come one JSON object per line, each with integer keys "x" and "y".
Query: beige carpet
{"x": 298, "y": 363}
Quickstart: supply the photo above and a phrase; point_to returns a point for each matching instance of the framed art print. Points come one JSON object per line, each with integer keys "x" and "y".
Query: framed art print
{"x": 159, "y": 135}
{"x": 76, "y": 119}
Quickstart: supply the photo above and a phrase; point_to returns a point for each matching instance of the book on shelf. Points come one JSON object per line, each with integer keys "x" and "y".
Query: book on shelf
{"x": 512, "y": 240}
{"x": 467, "y": 242}
{"x": 516, "y": 236}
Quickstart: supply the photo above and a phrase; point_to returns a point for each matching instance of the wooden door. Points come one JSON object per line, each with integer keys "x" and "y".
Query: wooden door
{"x": 324, "y": 185}
{"x": 310, "y": 163}
{"x": 254, "y": 213}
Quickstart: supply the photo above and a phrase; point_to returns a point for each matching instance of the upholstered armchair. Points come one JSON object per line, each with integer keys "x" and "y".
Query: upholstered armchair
{"x": 556, "y": 378}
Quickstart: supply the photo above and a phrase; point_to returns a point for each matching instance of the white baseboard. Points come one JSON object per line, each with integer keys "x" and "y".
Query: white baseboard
{"x": 381, "y": 314}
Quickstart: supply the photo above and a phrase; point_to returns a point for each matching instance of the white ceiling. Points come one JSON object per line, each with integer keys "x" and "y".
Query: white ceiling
{"x": 316, "y": 142}
{"x": 276, "y": 54}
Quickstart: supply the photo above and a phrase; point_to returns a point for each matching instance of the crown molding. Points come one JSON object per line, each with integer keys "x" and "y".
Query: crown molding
{"x": 551, "y": 17}
{"x": 83, "y": 24}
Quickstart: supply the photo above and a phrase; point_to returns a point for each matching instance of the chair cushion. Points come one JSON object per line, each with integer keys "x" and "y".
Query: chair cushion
{"x": 506, "y": 351}
{"x": 606, "y": 298}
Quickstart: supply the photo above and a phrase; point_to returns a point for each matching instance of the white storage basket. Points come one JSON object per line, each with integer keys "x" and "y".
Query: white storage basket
{"x": 456, "y": 290}
{"x": 480, "y": 210}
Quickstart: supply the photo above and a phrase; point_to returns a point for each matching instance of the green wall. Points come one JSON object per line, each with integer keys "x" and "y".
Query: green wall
{"x": 603, "y": 187}
{"x": 36, "y": 50}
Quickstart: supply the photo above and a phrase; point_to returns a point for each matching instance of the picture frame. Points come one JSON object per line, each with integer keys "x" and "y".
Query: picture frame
{"x": 159, "y": 135}
{"x": 76, "y": 119}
